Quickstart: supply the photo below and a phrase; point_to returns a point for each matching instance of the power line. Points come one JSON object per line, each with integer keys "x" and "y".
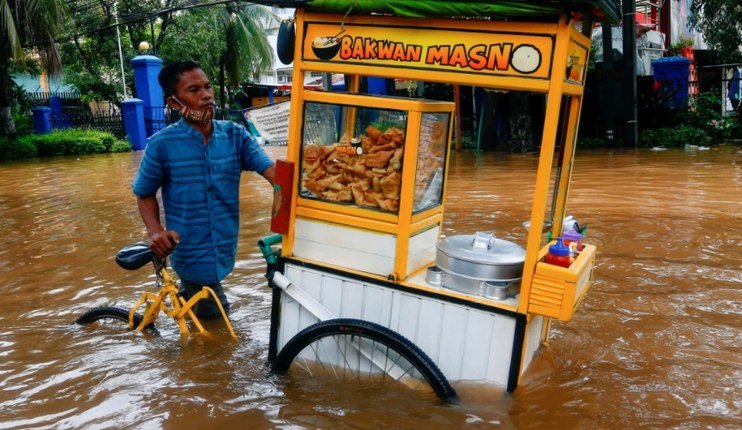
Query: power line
{"x": 92, "y": 16}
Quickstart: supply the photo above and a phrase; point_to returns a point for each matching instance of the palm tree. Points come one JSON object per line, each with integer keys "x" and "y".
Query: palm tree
{"x": 35, "y": 22}
{"x": 247, "y": 48}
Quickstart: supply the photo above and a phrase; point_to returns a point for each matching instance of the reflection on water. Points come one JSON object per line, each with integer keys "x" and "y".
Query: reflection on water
{"x": 656, "y": 342}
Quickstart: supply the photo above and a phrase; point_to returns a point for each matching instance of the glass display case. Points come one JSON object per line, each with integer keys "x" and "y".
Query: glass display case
{"x": 431, "y": 160}
{"x": 357, "y": 155}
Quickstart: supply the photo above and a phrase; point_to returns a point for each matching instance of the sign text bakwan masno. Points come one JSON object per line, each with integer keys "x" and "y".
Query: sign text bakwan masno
{"x": 441, "y": 50}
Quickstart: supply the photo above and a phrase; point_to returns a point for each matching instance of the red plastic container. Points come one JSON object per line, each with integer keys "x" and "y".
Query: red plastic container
{"x": 559, "y": 255}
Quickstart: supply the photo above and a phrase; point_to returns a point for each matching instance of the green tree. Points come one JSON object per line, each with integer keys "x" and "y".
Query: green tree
{"x": 229, "y": 41}
{"x": 25, "y": 22}
{"x": 720, "y": 21}
{"x": 247, "y": 49}
{"x": 91, "y": 60}
{"x": 203, "y": 46}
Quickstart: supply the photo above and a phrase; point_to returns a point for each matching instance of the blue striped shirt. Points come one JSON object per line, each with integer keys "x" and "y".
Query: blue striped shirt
{"x": 200, "y": 192}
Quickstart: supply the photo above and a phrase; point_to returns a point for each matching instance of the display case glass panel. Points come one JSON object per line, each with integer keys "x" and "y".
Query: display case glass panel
{"x": 353, "y": 155}
{"x": 431, "y": 160}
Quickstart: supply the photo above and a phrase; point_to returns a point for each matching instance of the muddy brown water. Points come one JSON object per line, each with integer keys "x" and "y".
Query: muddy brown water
{"x": 657, "y": 343}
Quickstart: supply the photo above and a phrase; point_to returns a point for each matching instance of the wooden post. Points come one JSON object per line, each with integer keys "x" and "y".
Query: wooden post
{"x": 457, "y": 100}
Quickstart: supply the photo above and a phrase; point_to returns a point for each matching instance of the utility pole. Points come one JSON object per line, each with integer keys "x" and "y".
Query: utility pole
{"x": 121, "y": 56}
{"x": 609, "y": 89}
{"x": 630, "y": 135}
{"x": 152, "y": 29}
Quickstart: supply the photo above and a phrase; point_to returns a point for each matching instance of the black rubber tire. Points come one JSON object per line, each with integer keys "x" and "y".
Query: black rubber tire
{"x": 389, "y": 338}
{"x": 110, "y": 312}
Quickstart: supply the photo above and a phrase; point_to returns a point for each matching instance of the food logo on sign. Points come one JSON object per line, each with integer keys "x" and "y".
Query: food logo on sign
{"x": 461, "y": 51}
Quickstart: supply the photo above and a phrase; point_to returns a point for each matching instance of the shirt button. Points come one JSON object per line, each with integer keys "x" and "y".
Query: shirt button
{"x": 213, "y": 228}
{"x": 209, "y": 189}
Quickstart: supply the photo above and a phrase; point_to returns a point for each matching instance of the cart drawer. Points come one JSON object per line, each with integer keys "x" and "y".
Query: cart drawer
{"x": 557, "y": 291}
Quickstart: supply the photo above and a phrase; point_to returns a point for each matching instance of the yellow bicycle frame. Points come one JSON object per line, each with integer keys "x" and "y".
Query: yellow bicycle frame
{"x": 180, "y": 308}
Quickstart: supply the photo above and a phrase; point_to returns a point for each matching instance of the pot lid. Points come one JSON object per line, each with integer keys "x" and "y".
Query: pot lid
{"x": 482, "y": 248}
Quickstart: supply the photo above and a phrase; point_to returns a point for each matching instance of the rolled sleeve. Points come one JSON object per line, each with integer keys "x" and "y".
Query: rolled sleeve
{"x": 150, "y": 174}
{"x": 252, "y": 156}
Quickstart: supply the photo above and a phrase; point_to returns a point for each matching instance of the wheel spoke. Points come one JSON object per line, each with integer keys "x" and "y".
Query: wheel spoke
{"x": 305, "y": 363}
{"x": 344, "y": 356}
{"x": 319, "y": 359}
{"x": 373, "y": 347}
{"x": 386, "y": 361}
{"x": 329, "y": 359}
{"x": 394, "y": 364}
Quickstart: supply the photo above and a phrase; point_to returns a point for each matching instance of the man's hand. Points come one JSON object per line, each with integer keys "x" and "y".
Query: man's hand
{"x": 163, "y": 243}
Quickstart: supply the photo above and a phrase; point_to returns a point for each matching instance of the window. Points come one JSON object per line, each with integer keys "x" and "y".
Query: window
{"x": 431, "y": 160}
{"x": 315, "y": 74}
{"x": 361, "y": 168}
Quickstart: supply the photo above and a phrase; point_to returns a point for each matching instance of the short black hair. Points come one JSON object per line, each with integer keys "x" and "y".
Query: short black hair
{"x": 170, "y": 75}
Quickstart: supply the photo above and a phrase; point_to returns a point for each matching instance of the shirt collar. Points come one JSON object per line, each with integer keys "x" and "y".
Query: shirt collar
{"x": 193, "y": 132}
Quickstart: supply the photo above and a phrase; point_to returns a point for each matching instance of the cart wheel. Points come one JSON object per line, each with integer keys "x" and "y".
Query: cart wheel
{"x": 342, "y": 349}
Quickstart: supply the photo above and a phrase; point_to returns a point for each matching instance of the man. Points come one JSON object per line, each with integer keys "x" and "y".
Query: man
{"x": 733, "y": 93}
{"x": 197, "y": 162}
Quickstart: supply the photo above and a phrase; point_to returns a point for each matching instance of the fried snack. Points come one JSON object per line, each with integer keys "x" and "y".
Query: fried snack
{"x": 366, "y": 143}
{"x": 378, "y": 159}
{"x": 373, "y": 133}
{"x": 395, "y": 134}
{"x": 324, "y": 151}
{"x": 371, "y": 179}
{"x": 335, "y": 167}
{"x": 318, "y": 172}
{"x": 390, "y": 185}
{"x": 385, "y": 147}
{"x": 311, "y": 152}
{"x": 342, "y": 195}
{"x": 395, "y": 163}
{"x": 388, "y": 204}
{"x": 357, "y": 191}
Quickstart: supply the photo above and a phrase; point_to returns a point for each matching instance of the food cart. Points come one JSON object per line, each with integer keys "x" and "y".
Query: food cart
{"x": 362, "y": 280}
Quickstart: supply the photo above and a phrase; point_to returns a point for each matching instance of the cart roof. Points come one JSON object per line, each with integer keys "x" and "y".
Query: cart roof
{"x": 596, "y": 10}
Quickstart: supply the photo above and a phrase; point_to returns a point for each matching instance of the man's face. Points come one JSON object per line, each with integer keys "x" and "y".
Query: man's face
{"x": 194, "y": 91}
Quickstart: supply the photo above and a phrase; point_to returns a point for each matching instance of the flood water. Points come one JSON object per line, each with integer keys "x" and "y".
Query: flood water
{"x": 657, "y": 342}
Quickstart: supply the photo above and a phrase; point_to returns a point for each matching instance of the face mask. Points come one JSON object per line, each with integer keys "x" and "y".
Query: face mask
{"x": 194, "y": 115}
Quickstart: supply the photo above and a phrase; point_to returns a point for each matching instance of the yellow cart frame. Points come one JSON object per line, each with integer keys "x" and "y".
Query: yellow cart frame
{"x": 490, "y": 54}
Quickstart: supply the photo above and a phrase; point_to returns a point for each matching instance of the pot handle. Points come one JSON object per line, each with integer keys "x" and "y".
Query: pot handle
{"x": 483, "y": 241}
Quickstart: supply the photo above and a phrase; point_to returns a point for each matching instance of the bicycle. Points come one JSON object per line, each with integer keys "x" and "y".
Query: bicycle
{"x": 134, "y": 257}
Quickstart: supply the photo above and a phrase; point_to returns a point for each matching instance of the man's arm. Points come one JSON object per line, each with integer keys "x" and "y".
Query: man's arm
{"x": 270, "y": 174}
{"x": 161, "y": 242}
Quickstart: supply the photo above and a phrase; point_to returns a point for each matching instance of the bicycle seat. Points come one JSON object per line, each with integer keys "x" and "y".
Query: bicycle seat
{"x": 134, "y": 256}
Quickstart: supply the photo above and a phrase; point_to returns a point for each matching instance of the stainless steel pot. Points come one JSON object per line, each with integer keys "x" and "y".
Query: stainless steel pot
{"x": 469, "y": 262}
